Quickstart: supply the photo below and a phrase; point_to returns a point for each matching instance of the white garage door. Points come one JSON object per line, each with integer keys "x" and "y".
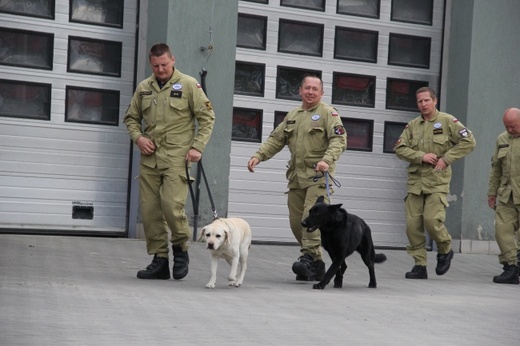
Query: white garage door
{"x": 66, "y": 78}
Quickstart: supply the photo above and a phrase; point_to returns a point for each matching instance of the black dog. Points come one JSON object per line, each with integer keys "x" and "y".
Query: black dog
{"x": 342, "y": 234}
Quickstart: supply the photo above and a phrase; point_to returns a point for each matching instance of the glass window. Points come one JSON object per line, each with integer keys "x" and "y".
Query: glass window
{"x": 278, "y": 118}
{"x": 363, "y": 8}
{"x": 97, "y": 12}
{"x": 355, "y": 44}
{"x": 400, "y": 94}
{"x": 247, "y": 125}
{"x": 288, "y": 82}
{"x": 318, "y": 5}
{"x": 300, "y": 38}
{"x": 94, "y": 56}
{"x": 412, "y": 11}
{"x": 412, "y": 51}
{"x": 31, "y": 8}
{"x": 252, "y": 31}
{"x": 25, "y": 100}
{"x": 354, "y": 90}
{"x": 259, "y": 1}
{"x": 26, "y": 48}
{"x": 392, "y": 132}
{"x": 92, "y": 106}
{"x": 359, "y": 133}
{"x": 249, "y": 78}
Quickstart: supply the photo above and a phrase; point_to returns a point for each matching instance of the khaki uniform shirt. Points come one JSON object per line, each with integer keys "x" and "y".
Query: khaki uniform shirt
{"x": 504, "y": 179}
{"x": 169, "y": 119}
{"x": 444, "y": 136}
{"x": 311, "y": 135}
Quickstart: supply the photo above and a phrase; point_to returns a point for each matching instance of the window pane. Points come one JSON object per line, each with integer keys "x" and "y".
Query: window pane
{"x": 300, "y": 38}
{"x": 97, "y": 12}
{"x": 31, "y": 8}
{"x": 278, "y": 118}
{"x": 318, "y": 5}
{"x": 26, "y": 49}
{"x": 413, "y": 51}
{"x": 247, "y": 125}
{"x": 97, "y": 106}
{"x": 400, "y": 94}
{"x": 259, "y": 1}
{"x": 355, "y": 44}
{"x": 363, "y": 8}
{"x": 354, "y": 90}
{"x": 251, "y": 31}
{"x": 412, "y": 11}
{"x": 392, "y": 132}
{"x": 249, "y": 78}
{"x": 94, "y": 56}
{"x": 25, "y": 100}
{"x": 288, "y": 82}
{"x": 359, "y": 133}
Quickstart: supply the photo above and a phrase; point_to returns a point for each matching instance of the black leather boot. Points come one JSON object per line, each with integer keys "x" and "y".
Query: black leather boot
{"x": 158, "y": 269}
{"x": 443, "y": 262}
{"x": 509, "y": 276}
{"x": 181, "y": 260}
{"x": 418, "y": 272}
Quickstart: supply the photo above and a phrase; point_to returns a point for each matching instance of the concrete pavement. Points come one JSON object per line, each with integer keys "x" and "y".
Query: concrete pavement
{"x": 57, "y": 290}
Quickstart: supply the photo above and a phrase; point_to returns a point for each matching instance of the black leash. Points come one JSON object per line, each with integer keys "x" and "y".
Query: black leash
{"x": 194, "y": 202}
{"x": 327, "y": 185}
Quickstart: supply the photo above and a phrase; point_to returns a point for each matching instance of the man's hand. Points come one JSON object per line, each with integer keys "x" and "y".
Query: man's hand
{"x": 492, "y": 202}
{"x": 441, "y": 165}
{"x": 252, "y": 164}
{"x": 430, "y": 158}
{"x": 321, "y": 166}
{"x": 193, "y": 155}
{"x": 145, "y": 145}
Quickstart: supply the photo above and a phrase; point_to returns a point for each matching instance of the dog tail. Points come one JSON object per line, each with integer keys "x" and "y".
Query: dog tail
{"x": 380, "y": 258}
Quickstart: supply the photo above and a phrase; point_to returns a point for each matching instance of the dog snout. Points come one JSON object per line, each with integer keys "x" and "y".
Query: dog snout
{"x": 211, "y": 246}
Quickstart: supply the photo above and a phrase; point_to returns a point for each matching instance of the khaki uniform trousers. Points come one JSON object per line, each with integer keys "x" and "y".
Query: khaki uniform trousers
{"x": 300, "y": 202}
{"x": 506, "y": 224}
{"x": 426, "y": 211}
{"x": 163, "y": 197}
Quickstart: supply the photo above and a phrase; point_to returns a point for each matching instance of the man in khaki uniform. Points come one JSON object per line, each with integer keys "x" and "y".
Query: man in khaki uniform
{"x": 316, "y": 138}
{"x": 431, "y": 143}
{"x": 504, "y": 195}
{"x": 170, "y": 104}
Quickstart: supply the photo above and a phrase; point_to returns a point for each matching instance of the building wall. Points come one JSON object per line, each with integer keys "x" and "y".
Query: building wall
{"x": 483, "y": 79}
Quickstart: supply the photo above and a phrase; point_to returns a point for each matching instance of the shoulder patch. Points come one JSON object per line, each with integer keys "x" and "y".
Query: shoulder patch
{"x": 455, "y": 120}
{"x": 339, "y": 130}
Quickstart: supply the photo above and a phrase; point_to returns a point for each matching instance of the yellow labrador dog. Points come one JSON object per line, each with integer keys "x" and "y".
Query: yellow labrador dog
{"x": 228, "y": 238}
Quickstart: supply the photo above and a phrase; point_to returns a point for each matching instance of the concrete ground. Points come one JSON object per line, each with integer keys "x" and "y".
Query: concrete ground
{"x": 57, "y": 290}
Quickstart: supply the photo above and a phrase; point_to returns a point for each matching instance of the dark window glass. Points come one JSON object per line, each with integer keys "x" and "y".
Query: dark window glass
{"x": 359, "y": 133}
{"x": 92, "y": 106}
{"x": 288, "y": 82}
{"x": 252, "y": 31}
{"x": 363, "y": 8}
{"x": 392, "y": 132}
{"x": 278, "y": 118}
{"x": 354, "y": 90}
{"x": 318, "y": 5}
{"x": 26, "y": 48}
{"x": 94, "y": 56}
{"x": 31, "y": 8}
{"x": 25, "y": 100}
{"x": 355, "y": 44}
{"x": 400, "y": 94}
{"x": 412, "y": 11}
{"x": 249, "y": 78}
{"x": 259, "y": 1}
{"x": 247, "y": 125}
{"x": 97, "y": 12}
{"x": 300, "y": 38}
{"x": 412, "y": 51}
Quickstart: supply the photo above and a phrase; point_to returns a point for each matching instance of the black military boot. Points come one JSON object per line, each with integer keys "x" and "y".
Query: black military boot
{"x": 307, "y": 269}
{"x": 443, "y": 262}
{"x": 509, "y": 276}
{"x": 181, "y": 259}
{"x": 418, "y": 272}
{"x": 158, "y": 269}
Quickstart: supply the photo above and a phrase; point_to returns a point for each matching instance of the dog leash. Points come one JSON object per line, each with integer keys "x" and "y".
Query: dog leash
{"x": 327, "y": 185}
{"x": 194, "y": 202}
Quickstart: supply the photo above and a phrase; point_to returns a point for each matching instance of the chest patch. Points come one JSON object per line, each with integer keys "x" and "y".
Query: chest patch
{"x": 438, "y": 131}
{"x": 291, "y": 122}
{"x": 315, "y": 117}
{"x": 177, "y": 86}
{"x": 175, "y": 93}
{"x": 503, "y": 146}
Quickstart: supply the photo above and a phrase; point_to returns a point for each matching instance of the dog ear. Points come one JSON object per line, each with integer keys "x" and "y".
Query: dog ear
{"x": 227, "y": 234}
{"x": 336, "y": 207}
{"x": 320, "y": 199}
{"x": 201, "y": 235}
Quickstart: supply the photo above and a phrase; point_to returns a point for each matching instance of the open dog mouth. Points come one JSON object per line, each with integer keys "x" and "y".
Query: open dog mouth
{"x": 313, "y": 228}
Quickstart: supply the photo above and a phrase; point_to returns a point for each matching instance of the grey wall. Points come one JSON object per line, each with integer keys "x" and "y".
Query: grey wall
{"x": 186, "y": 28}
{"x": 483, "y": 80}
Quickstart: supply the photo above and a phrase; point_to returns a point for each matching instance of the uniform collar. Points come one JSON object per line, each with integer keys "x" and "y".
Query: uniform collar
{"x": 432, "y": 118}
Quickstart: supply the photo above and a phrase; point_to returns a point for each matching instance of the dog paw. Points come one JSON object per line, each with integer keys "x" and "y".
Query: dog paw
{"x": 234, "y": 283}
{"x": 372, "y": 285}
{"x": 338, "y": 286}
{"x": 210, "y": 285}
{"x": 318, "y": 287}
